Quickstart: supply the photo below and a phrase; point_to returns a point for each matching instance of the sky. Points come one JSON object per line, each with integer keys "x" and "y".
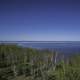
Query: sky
{"x": 39, "y": 20}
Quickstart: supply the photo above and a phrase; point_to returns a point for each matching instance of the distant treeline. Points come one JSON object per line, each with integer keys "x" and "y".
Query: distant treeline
{"x": 35, "y": 64}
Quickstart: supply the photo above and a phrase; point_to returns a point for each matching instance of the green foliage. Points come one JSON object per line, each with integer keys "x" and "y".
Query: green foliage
{"x": 34, "y": 64}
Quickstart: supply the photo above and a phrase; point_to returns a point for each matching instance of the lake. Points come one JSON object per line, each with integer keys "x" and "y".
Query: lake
{"x": 66, "y": 47}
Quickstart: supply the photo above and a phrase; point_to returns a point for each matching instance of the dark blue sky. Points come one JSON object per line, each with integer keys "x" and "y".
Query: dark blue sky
{"x": 42, "y": 20}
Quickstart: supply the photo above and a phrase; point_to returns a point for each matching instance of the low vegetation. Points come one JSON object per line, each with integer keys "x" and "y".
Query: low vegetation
{"x": 18, "y": 63}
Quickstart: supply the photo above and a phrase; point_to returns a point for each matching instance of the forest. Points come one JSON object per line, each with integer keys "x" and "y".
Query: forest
{"x": 20, "y": 63}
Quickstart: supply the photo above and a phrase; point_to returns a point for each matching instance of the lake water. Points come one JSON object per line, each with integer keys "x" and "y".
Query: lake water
{"x": 66, "y": 47}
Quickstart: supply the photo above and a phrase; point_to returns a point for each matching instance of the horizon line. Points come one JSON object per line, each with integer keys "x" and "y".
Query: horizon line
{"x": 37, "y": 41}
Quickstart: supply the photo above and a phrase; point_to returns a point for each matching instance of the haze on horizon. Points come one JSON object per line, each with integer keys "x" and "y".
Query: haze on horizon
{"x": 39, "y": 20}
